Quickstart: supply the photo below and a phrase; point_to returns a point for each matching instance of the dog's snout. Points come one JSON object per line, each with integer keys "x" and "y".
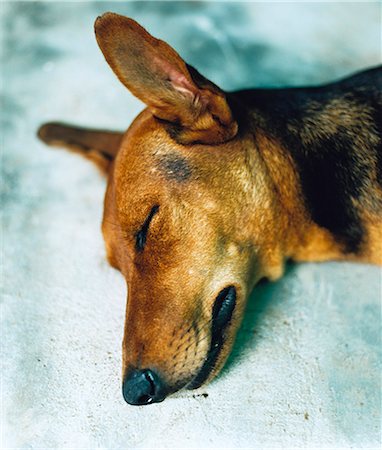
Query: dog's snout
{"x": 142, "y": 387}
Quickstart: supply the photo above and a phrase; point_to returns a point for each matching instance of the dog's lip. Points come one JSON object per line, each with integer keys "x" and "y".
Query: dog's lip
{"x": 207, "y": 367}
{"x": 221, "y": 317}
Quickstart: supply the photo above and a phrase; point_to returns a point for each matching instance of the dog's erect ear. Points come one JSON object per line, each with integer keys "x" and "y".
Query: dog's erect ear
{"x": 194, "y": 109}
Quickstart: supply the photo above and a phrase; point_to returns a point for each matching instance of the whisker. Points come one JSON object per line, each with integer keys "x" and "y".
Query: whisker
{"x": 197, "y": 340}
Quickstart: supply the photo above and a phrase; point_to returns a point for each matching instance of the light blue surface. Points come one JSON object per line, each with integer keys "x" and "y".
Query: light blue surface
{"x": 306, "y": 368}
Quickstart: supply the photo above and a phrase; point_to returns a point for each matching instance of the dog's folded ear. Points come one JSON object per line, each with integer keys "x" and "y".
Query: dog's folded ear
{"x": 100, "y": 146}
{"x": 194, "y": 109}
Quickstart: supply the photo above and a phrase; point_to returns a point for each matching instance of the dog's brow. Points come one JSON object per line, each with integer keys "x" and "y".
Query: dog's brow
{"x": 141, "y": 235}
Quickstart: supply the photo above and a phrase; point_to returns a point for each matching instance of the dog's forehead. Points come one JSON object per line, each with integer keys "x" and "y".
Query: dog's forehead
{"x": 149, "y": 149}
{"x": 151, "y": 164}
{"x": 174, "y": 167}
{"x": 160, "y": 166}
{"x": 149, "y": 152}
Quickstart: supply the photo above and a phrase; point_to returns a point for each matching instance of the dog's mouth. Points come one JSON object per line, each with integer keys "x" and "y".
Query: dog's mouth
{"x": 145, "y": 386}
{"x": 221, "y": 317}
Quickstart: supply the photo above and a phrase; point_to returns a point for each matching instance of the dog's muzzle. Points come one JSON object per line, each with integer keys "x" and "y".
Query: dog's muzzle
{"x": 144, "y": 386}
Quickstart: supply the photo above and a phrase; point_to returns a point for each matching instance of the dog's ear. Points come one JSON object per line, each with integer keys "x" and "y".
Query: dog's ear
{"x": 194, "y": 109}
{"x": 99, "y": 146}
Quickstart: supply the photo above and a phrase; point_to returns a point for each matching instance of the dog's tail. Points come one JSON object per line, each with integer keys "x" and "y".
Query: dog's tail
{"x": 100, "y": 146}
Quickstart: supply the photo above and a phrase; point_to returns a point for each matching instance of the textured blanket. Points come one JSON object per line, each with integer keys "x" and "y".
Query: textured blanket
{"x": 305, "y": 370}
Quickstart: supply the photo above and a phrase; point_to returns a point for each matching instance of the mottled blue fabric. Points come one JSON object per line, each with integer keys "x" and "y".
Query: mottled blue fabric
{"x": 305, "y": 370}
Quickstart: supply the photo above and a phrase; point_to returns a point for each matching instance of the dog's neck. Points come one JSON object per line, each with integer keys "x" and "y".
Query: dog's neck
{"x": 296, "y": 233}
{"x": 323, "y": 163}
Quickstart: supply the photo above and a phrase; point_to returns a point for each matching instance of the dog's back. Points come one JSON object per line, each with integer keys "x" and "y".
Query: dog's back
{"x": 334, "y": 135}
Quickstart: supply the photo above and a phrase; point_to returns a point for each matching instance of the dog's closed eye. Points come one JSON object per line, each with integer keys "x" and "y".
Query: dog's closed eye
{"x": 141, "y": 235}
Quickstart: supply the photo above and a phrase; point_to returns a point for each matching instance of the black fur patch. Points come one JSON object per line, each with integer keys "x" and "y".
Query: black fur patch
{"x": 332, "y": 174}
{"x": 334, "y": 168}
{"x": 378, "y": 121}
{"x": 175, "y": 167}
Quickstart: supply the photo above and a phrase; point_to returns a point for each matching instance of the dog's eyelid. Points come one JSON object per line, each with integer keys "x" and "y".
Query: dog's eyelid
{"x": 141, "y": 235}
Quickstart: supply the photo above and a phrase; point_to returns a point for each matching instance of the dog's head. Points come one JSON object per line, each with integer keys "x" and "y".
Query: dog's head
{"x": 178, "y": 220}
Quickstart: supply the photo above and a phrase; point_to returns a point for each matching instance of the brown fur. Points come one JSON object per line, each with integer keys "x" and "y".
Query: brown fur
{"x": 231, "y": 202}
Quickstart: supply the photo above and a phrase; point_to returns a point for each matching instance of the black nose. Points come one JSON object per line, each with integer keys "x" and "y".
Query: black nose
{"x": 142, "y": 387}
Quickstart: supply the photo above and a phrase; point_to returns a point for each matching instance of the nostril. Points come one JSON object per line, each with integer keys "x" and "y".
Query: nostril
{"x": 142, "y": 387}
{"x": 144, "y": 400}
{"x": 149, "y": 377}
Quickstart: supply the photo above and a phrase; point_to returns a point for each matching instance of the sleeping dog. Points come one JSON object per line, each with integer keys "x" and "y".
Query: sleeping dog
{"x": 209, "y": 192}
